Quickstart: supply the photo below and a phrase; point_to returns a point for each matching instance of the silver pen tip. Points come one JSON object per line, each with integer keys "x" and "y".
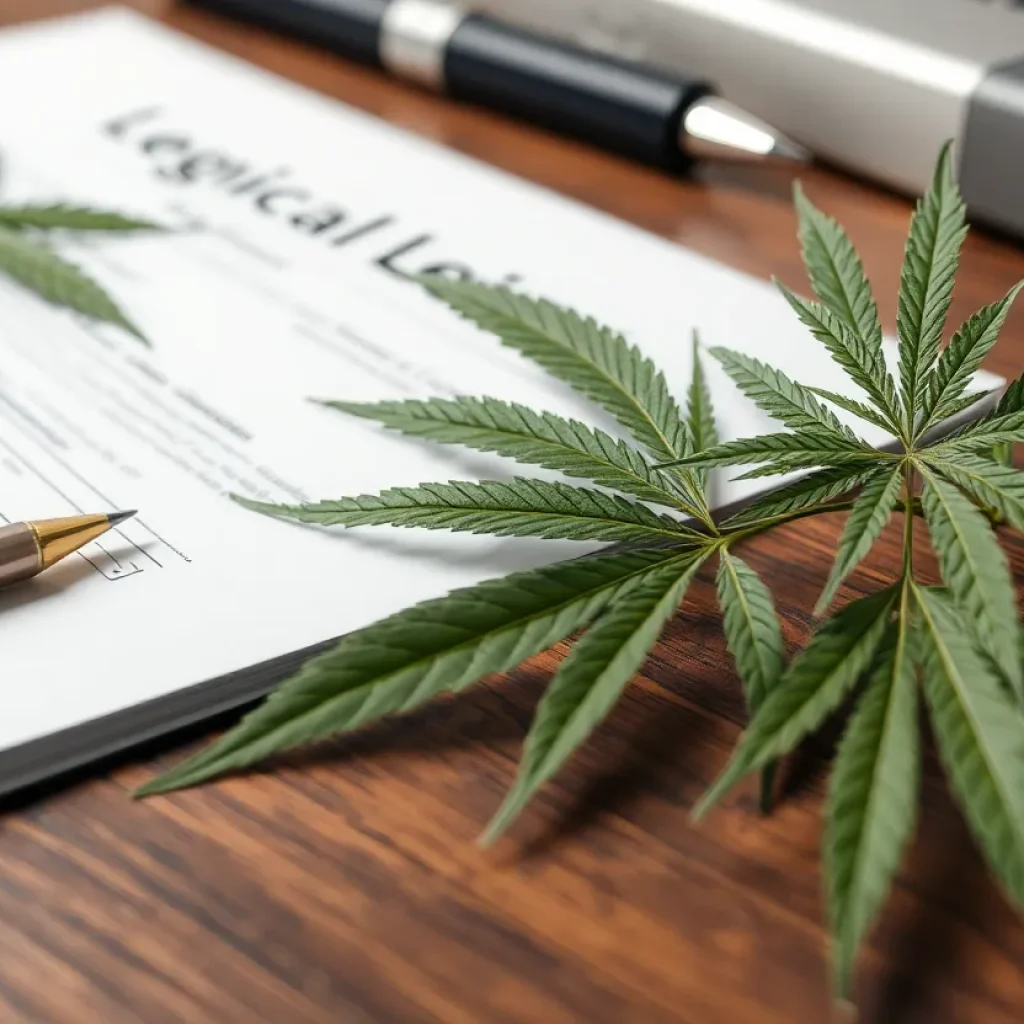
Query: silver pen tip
{"x": 715, "y": 129}
{"x": 119, "y": 517}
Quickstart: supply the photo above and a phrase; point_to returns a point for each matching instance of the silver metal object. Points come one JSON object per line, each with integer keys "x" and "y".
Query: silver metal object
{"x": 714, "y": 128}
{"x": 413, "y": 38}
{"x": 874, "y": 85}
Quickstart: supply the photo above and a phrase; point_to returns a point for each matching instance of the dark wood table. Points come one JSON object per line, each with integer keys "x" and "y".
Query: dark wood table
{"x": 347, "y": 887}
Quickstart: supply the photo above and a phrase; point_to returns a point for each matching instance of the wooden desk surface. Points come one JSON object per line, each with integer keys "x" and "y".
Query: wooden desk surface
{"x": 347, "y": 888}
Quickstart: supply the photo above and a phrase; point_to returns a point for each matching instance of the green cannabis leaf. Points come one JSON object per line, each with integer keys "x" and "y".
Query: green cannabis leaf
{"x": 438, "y": 646}
{"x": 813, "y": 685}
{"x": 975, "y": 570}
{"x": 516, "y": 508}
{"x": 27, "y": 257}
{"x": 871, "y": 803}
{"x": 980, "y": 738}
{"x": 754, "y": 636}
{"x": 593, "y": 676}
{"x": 597, "y": 362}
{"x": 836, "y": 272}
{"x": 959, "y": 643}
{"x": 36, "y": 266}
{"x": 926, "y": 282}
{"x": 61, "y": 216}
{"x": 537, "y": 439}
{"x": 868, "y": 518}
{"x": 962, "y": 640}
{"x": 701, "y": 420}
{"x": 783, "y": 399}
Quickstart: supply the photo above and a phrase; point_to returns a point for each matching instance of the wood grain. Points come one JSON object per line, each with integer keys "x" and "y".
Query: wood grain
{"x": 347, "y": 887}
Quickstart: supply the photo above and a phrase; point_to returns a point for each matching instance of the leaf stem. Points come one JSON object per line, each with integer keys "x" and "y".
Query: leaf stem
{"x": 760, "y": 525}
{"x": 694, "y": 501}
{"x": 706, "y": 517}
{"x": 690, "y": 501}
{"x": 908, "y": 521}
{"x": 766, "y": 800}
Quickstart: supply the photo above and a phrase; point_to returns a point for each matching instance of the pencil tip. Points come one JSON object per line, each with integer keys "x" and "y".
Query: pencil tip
{"x": 119, "y": 517}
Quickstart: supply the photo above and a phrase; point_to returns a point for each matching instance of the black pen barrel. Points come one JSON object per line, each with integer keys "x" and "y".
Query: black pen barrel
{"x": 349, "y": 28}
{"x": 631, "y": 109}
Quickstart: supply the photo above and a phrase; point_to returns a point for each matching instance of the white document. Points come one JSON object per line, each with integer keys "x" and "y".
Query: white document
{"x": 299, "y": 218}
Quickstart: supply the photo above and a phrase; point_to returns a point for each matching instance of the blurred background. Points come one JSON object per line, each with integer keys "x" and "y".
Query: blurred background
{"x": 870, "y": 87}
{"x": 20, "y": 10}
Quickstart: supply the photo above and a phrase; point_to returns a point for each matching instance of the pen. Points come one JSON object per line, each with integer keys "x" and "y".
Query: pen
{"x": 26, "y": 549}
{"x": 661, "y": 118}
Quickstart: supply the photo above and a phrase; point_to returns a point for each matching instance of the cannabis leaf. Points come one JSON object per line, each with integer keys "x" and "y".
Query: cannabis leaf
{"x": 846, "y": 321}
{"x": 37, "y": 267}
{"x": 433, "y": 647}
{"x": 953, "y": 410}
{"x": 26, "y": 257}
{"x": 61, "y": 216}
{"x": 982, "y": 435}
{"x": 862, "y": 360}
{"x": 703, "y": 429}
{"x": 813, "y": 685}
{"x": 980, "y": 736}
{"x": 1012, "y": 399}
{"x": 751, "y": 627}
{"x": 513, "y": 430}
{"x": 962, "y": 357}
{"x": 836, "y": 272}
{"x": 812, "y": 492}
{"x": 990, "y": 484}
{"x": 515, "y": 508}
{"x": 859, "y": 409}
{"x": 926, "y": 283}
{"x": 782, "y": 398}
{"x": 592, "y": 678}
{"x": 597, "y": 362}
{"x": 960, "y": 642}
{"x": 754, "y": 636}
{"x": 976, "y": 573}
{"x": 868, "y": 517}
{"x": 871, "y": 803}
{"x": 972, "y": 675}
{"x": 798, "y": 447}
